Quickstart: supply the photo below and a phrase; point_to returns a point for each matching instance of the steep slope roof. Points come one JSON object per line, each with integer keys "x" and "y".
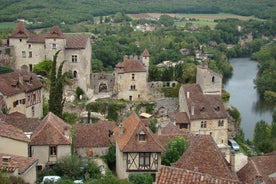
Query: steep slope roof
{"x": 20, "y": 121}
{"x": 145, "y": 53}
{"x": 11, "y": 132}
{"x": 94, "y": 135}
{"x": 171, "y": 175}
{"x": 203, "y": 106}
{"x": 52, "y": 131}
{"x": 127, "y": 134}
{"x": 20, "y": 162}
{"x": 20, "y": 31}
{"x": 262, "y": 167}
{"x": 55, "y": 32}
{"x": 18, "y": 82}
{"x": 130, "y": 65}
{"x": 204, "y": 155}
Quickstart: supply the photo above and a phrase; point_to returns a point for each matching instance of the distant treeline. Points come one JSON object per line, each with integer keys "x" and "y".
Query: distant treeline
{"x": 51, "y": 12}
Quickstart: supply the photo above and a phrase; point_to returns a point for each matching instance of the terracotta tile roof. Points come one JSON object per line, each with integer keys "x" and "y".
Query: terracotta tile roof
{"x": 179, "y": 117}
{"x": 260, "y": 166}
{"x": 93, "y": 135}
{"x": 55, "y": 32}
{"x": 73, "y": 41}
{"x": 9, "y": 131}
{"x": 130, "y": 65}
{"x": 20, "y": 121}
{"x": 204, "y": 155}
{"x": 52, "y": 131}
{"x": 128, "y": 141}
{"x": 145, "y": 53}
{"x": 20, "y": 162}
{"x": 170, "y": 131}
{"x": 76, "y": 41}
{"x": 20, "y": 31}
{"x": 205, "y": 106}
{"x": 18, "y": 82}
{"x": 171, "y": 175}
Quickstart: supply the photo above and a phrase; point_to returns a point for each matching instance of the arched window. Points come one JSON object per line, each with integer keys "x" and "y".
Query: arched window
{"x": 213, "y": 79}
{"x": 75, "y": 74}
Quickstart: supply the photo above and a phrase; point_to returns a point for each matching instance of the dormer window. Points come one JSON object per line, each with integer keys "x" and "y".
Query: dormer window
{"x": 142, "y": 136}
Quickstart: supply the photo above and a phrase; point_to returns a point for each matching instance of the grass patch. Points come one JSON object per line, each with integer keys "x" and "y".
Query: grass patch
{"x": 8, "y": 25}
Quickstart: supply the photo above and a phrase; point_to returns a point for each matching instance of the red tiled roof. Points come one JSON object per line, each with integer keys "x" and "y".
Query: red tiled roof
{"x": 20, "y": 121}
{"x": 179, "y": 117}
{"x": 16, "y": 82}
{"x": 205, "y": 106}
{"x": 20, "y": 162}
{"x": 145, "y": 53}
{"x": 20, "y": 31}
{"x": 128, "y": 141}
{"x": 130, "y": 65}
{"x": 204, "y": 155}
{"x": 9, "y": 131}
{"x": 171, "y": 175}
{"x": 93, "y": 135}
{"x": 76, "y": 41}
{"x": 55, "y": 32}
{"x": 73, "y": 41}
{"x": 52, "y": 131}
{"x": 261, "y": 166}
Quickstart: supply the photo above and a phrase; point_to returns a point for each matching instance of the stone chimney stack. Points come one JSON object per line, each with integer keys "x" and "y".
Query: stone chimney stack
{"x": 232, "y": 160}
{"x": 6, "y": 160}
{"x": 121, "y": 129}
{"x": 192, "y": 110}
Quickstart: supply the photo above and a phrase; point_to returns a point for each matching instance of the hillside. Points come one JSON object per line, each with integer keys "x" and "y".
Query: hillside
{"x": 50, "y": 12}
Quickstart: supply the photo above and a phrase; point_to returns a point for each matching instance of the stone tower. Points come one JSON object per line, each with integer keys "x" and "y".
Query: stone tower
{"x": 210, "y": 82}
{"x": 145, "y": 60}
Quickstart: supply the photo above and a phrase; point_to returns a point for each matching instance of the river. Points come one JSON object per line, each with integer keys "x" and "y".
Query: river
{"x": 244, "y": 96}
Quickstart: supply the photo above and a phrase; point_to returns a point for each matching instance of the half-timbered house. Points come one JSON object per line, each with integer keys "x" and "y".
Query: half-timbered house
{"x": 137, "y": 150}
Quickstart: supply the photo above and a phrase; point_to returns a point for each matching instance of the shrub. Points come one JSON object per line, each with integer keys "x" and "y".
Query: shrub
{"x": 140, "y": 178}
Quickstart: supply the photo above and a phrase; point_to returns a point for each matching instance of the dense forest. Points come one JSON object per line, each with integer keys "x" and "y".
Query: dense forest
{"x": 51, "y": 12}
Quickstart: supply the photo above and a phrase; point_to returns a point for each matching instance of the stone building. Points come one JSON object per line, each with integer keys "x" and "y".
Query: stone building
{"x": 203, "y": 106}
{"x": 29, "y": 49}
{"x": 209, "y": 81}
{"x": 131, "y": 77}
{"x": 21, "y": 91}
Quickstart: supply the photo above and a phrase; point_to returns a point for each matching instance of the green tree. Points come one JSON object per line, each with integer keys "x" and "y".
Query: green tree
{"x": 262, "y": 135}
{"x": 152, "y": 125}
{"x": 79, "y": 92}
{"x": 110, "y": 157}
{"x": 140, "y": 178}
{"x": 174, "y": 150}
{"x": 4, "y": 179}
{"x": 43, "y": 68}
{"x": 166, "y": 20}
{"x": 5, "y": 69}
{"x": 56, "y": 100}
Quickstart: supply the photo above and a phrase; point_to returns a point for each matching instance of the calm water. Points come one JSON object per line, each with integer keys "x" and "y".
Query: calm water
{"x": 244, "y": 96}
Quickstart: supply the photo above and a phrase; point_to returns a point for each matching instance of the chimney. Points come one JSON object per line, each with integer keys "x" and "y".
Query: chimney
{"x": 192, "y": 110}
{"x": 159, "y": 129}
{"x": 232, "y": 160}
{"x": 6, "y": 160}
{"x": 67, "y": 132}
{"x": 188, "y": 94}
{"x": 121, "y": 129}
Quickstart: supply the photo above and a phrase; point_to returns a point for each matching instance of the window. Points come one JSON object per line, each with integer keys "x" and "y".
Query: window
{"x": 183, "y": 126}
{"x": 33, "y": 111}
{"x": 31, "y": 67}
{"x": 220, "y": 123}
{"x": 54, "y": 46}
{"x": 74, "y": 58}
{"x": 144, "y": 159}
{"x": 23, "y": 54}
{"x": 133, "y": 76}
{"x": 130, "y": 98}
{"x": 53, "y": 150}
{"x": 203, "y": 124}
{"x": 30, "y": 46}
{"x": 142, "y": 137}
{"x": 213, "y": 79}
{"x": 30, "y": 54}
{"x": 15, "y": 103}
{"x": 132, "y": 87}
{"x": 75, "y": 74}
